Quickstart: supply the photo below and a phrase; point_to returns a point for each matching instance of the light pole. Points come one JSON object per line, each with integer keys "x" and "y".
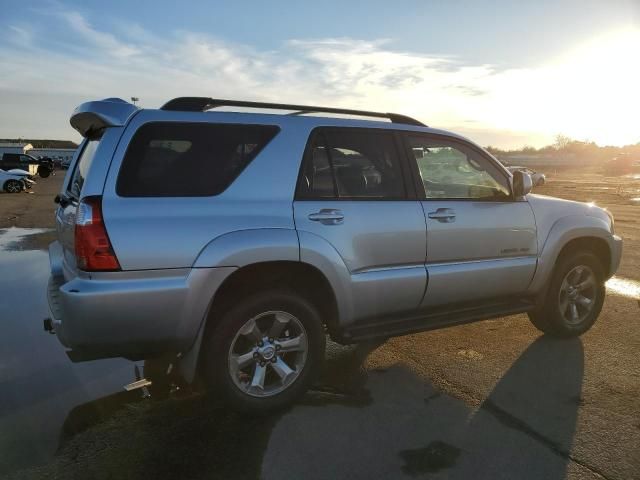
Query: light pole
{"x": 135, "y": 99}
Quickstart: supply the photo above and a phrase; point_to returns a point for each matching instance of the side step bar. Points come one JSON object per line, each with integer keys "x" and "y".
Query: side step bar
{"x": 431, "y": 321}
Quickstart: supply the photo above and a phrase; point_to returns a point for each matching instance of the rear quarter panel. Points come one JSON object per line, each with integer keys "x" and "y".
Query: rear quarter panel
{"x": 156, "y": 233}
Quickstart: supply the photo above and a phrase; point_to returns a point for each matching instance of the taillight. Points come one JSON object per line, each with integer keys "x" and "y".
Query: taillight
{"x": 93, "y": 248}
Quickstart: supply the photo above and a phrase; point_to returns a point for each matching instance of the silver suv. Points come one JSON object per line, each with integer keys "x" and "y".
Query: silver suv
{"x": 231, "y": 243}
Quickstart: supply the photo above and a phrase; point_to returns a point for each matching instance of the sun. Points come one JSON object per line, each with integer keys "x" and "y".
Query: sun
{"x": 601, "y": 81}
{"x": 591, "y": 92}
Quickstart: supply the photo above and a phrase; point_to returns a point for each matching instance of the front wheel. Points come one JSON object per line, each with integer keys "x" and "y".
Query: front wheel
{"x": 13, "y": 186}
{"x": 265, "y": 352}
{"x": 575, "y": 297}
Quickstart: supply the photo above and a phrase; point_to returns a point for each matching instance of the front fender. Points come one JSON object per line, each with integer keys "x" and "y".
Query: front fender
{"x": 562, "y": 232}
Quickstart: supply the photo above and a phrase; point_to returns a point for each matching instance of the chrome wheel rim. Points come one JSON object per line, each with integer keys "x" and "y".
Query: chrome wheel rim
{"x": 577, "y": 294}
{"x": 268, "y": 354}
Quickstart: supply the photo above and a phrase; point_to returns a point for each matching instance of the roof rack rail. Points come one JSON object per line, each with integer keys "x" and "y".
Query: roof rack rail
{"x": 201, "y": 104}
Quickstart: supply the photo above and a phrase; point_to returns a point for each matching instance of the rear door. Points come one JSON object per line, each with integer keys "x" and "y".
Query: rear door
{"x": 481, "y": 242}
{"x": 353, "y": 193}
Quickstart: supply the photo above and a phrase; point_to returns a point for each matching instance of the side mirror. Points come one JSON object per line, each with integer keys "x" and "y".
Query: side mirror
{"x": 522, "y": 183}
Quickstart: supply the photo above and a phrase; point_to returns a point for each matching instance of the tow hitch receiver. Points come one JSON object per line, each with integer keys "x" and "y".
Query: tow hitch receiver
{"x": 48, "y": 326}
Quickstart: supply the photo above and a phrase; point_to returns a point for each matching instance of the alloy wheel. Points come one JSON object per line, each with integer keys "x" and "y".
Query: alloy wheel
{"x": 577, "y": 295}
{"x": 268, "y": 353}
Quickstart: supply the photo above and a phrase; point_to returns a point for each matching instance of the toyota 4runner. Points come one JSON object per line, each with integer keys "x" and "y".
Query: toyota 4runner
{"x": 232, "y": 243}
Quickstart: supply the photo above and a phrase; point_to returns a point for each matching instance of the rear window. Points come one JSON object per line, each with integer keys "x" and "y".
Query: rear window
{"x": 82, "y": 167}
{"x": 188, "y": 159}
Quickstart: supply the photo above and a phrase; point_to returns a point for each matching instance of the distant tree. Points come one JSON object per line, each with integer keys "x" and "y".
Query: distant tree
{"x": 562, "y": 142}
{"x": 528, "y": 149}
{"x": 495, "y": 150}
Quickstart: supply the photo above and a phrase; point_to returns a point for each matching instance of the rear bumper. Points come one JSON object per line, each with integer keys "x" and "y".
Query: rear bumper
{"x": 131, "y": 313}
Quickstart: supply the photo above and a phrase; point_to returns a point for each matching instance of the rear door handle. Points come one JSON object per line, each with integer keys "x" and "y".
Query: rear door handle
{"x": 327, "y": 216}
{"x": 445, "y": 215}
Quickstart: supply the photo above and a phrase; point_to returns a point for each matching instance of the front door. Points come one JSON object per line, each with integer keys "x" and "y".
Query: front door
{"x": 353, "y": 195}
{"x": 481, "y": 242}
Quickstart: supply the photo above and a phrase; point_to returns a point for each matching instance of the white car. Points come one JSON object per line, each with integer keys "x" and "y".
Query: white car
{"x": 14, "y": 181}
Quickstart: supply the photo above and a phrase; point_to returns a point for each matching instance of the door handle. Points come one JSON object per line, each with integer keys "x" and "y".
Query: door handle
{"x": 445, "y": 215}
{"x": 327, "y": 216}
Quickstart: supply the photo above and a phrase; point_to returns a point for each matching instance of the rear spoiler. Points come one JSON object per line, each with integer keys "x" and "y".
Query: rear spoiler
{"x": 110, "y": 112}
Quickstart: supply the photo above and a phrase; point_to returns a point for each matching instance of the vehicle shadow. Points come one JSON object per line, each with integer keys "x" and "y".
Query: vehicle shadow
{"x": 189, "y": 435}
{"x": 371, "y": 424}
{"x": 525, "y": 427}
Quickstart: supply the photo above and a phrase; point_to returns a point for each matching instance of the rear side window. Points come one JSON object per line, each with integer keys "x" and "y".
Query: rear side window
{"x": 188, "y": 159}
{"x": 352, "y": 164}
{"x": 82, "y": 167}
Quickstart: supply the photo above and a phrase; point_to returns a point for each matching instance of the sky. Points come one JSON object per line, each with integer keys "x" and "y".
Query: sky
{"x": 503, "y": 73}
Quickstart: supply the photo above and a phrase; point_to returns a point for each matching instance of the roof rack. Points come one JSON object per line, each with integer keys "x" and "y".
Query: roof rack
{"x": 201, "y": 104}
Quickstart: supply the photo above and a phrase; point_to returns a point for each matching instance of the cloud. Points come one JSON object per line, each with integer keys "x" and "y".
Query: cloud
{"x": 21, "y": 36}
{"x": 82, "y": 62}
{"x": 104, "y": 41}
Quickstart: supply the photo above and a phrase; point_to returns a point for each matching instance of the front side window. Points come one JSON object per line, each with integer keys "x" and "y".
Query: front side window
{"x": 188, "y": 159}
{"x": 452, "y": 171}
{"x": 352, "y": 164}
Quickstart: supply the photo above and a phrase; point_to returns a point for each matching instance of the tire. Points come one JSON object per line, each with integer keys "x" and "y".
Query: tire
{"x": 44, "y": 171}
{"x": 253, "y": 373}
{"x": 13, "y": 186}
{"x": 565, "y": 312}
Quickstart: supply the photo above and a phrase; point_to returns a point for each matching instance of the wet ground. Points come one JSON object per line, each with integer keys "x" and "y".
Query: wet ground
{"x": 493, "y": 399}
{"x": 39, "y": 386}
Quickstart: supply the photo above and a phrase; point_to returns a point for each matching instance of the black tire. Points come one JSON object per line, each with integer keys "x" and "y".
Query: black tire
{"x": 13, "y": 186}
{"x": 217, "y": 346}
{"x": 44, "y": 171}
{"x": 549, "y": 318}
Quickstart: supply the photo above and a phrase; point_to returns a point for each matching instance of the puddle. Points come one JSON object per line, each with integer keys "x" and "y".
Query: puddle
{"x": 39, "y": 386}
{"x": 635, "y": 200}
{"x": 434, "y": 457}
{"x": 634, "y": 176}
{"x": 15, "y": 238}
{"x": 624, "y": 286}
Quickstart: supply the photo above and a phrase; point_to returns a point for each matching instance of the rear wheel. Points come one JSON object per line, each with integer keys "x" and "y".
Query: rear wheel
{"x": 12, "y": 186}
{"x": 575, "y": 297}
{"x": 44, "y": 171}
{"x": 265, "y": 352}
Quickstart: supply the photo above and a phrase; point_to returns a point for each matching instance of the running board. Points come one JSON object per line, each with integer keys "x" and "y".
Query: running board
{"x": 404, "y": 325}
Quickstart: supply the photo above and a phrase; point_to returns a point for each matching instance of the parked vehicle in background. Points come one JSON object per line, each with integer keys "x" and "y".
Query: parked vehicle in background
{"x": 43, "y": 168}
{"x": 65, "y": 162}
{"x": 27, "y": 179}
{"x": 14, "y": 182}
{"x": 538, "y": 178}
{"x": 54, "y": 162}
{"x": 295, "y": 226}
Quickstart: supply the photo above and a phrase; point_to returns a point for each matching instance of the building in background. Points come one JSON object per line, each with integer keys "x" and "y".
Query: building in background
{"x": 15, "y": 147}
{"x": 64, "y": 155}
